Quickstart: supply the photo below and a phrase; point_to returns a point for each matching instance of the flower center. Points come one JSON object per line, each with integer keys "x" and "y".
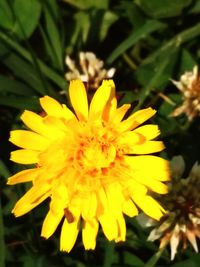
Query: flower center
{"x": 95, "y": 155}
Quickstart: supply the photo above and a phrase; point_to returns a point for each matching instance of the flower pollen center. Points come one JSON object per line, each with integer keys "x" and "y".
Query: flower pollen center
{"x": 95, "y": 155}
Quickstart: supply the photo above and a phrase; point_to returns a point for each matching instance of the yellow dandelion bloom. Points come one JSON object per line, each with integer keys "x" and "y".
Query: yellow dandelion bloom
{"x": 92, "y": 164}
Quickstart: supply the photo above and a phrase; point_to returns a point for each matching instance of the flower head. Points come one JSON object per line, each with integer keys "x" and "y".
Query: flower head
{"x": 90, "y": 70}
{"x": 182, "y": 220}
{"x": 92, "y": 165}
{"x": 189, "y": 85}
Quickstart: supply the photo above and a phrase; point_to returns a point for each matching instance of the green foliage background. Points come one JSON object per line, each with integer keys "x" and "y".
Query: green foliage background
{"x": 149, "y": 42}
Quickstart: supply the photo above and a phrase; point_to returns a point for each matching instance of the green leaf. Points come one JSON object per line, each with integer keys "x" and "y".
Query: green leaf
{"x": 109, "y": 254}
{"x": 83, "y": 23}
{"x": 153, "y": 260}
{"x": 132, "y": 12}
{"x": 87, "y": 4}
{"x": 164, "y": 8}
{"x": 25, "y": 71}
{"x": 187, "y": 62}
{"x": 48, "y": 72}
{"x": 8, "y": 85}
{"x": 21, "y": 103}
{"x": 186, "y": 263}
{"x": 27, "y": 14}
{"x": 53, "y": 35}
{"x": 2, "y": 241}
{"x": 132, "y": 260}
{"x": 176, "y": 41}
{"x": 6, "y": 16}
{"x": 32, "y": 261}
{"x": 134, "y": 37}
{"x": 158, "y": 74}
{"x": 4, "y": 172}
{"x": 109, "y": 18}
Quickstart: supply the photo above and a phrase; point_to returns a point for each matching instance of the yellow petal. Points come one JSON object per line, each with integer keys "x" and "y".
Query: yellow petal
{"x": 31, "y": 199}
{"x": 69, "y": 233}
{"x": 51, "y": 106}
{"x": 55, "y": 109}
{"x": 120, "y": 113}
{"x": 101, "y": 99}
{"x": 149, "y": 131}
{"x": 146, "y": 148}
{"x": 115, "y": 198}
{"x": 78, "y": 97}
{"x": 129, "y": 208}
{"x": 23, "y": 176}
{"x": 24, "y": 156}
{"x": 121, "y": 229}
{"x": 89, "y": 208}
{"x": 102, "y": 202}
{"x": 51, "y": 223}
{"x": 152, "y": 166}
{"x": 150, "y": 182}
{"x": 129, "y": 139}
{"x": 36, "y": 123}
{"x": 149, "y": 205}
{"x": 136, "y": 119}
{"x": 109, "y": 226}
{"x": 28, "y": 140}
{"x": 89, "y": 233}
{"x": 110, "y": 108}
{"x": 136, "y": 188}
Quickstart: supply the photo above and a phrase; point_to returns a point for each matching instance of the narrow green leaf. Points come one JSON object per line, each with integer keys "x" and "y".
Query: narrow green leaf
{"x": 4, "y": 172}
{"x": 159, "y": 74}
{"x": 20, "y": 103}
{"x": 132, "y": 260}
{"x": 153, "y": 260}
{"x": 87, "y": 4}
{"x": 134, "y": 37}
{"x": 108, "y": 19}
{"x": 2, "y": 241}
{"x": 83, "y": 23}
{"x": 23, "y": 10}
{"x": 109, "y": 254}
{"x": 186, "y": 263}
{"x": 48, "y": 72}
{"x": 53, "y": 35}
{"x": 6, "y": 17}
{"x": 25, "y": 71}
{"x": 12, "y": 86}
{"x": 164, "y": 8}
{"x": 176, "y": 41}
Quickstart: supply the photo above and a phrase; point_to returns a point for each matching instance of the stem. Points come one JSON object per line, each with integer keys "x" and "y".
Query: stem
{"x": 153, "y": 260}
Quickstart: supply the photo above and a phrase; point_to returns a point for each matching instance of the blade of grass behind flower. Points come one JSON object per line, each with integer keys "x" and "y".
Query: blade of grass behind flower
{"x": 47, "y": 71}
{"x": 4, "y": 172}
{"x": 24, "y": 70}
{"x": 153, "y": 260}
{"x": 109, "y": 254}
{"x": 2, "y": 242}
{"x": 149, "y": 27}
{"x": 176, "y": 41}
{"x": 9, "y": 85}
{"x": 30, "y": 103}
{"x": 159, "y": 70}
{"x": 53, "y": 35}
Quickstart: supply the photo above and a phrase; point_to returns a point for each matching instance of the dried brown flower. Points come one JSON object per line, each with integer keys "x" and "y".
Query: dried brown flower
{"x": 189, "y": 85}
{"x": 90, "y": 70}
{"x": 181, "y": 223}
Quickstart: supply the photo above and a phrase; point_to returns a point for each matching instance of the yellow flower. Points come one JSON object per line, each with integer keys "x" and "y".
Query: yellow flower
{"x": 91, "y": 164}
